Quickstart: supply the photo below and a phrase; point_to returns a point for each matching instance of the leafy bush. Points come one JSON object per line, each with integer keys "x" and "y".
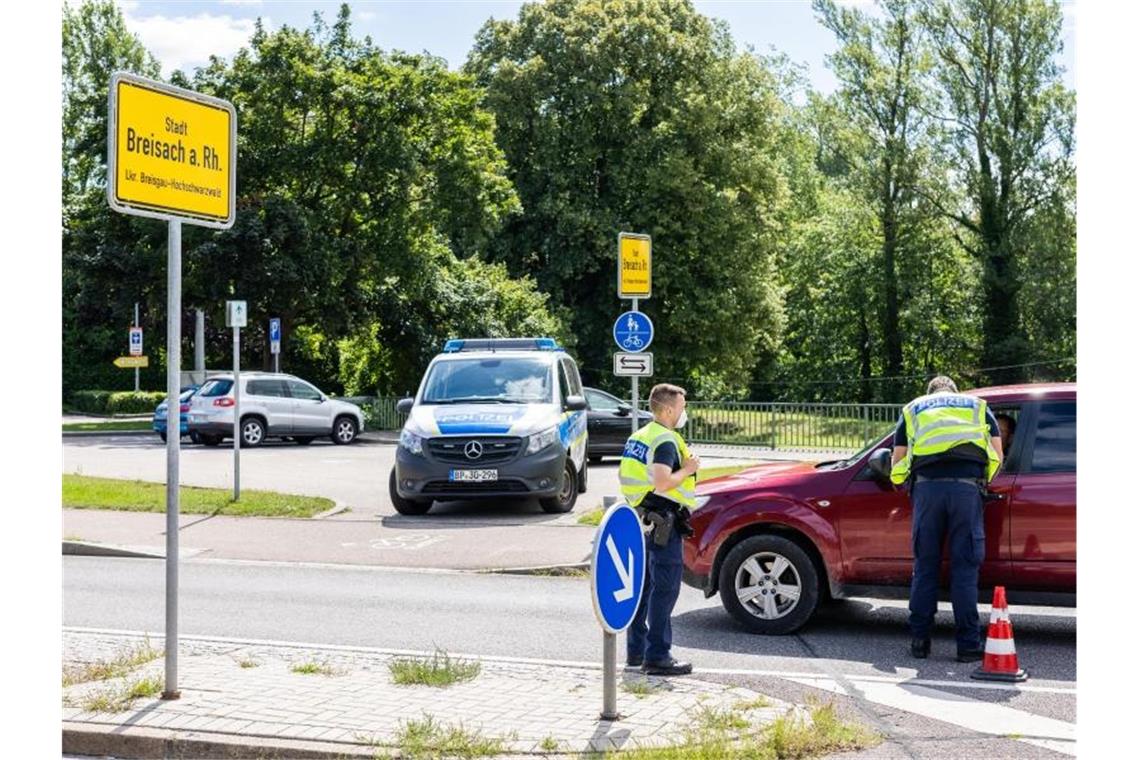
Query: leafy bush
{"x": 116, "y": 402}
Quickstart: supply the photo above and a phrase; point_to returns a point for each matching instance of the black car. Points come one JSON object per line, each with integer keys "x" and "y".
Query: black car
{"x": 609, "y": 424}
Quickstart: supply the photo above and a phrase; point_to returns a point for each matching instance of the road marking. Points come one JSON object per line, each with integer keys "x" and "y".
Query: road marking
{"x": 967, "y": 712}
{"x": 594, "y": 665}
{"x": 408, "y": 542}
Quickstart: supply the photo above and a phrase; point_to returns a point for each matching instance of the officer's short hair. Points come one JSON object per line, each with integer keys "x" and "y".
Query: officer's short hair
{"x": 941, "y": 383}
{"x": 663, "y": 395}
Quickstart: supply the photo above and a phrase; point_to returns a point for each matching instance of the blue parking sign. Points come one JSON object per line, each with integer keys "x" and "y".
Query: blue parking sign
{"x": 617, "y": 572}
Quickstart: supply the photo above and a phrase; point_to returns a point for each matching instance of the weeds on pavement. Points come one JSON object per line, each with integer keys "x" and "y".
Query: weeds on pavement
{"x": 312, "y": 667}
{"x": 120, "y": 697}
{"x": 429, "y": 738}
{"x": 439, "y": 671}
{"x": 117, "y": 666}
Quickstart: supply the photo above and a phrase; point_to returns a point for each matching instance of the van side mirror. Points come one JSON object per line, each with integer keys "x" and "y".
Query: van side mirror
{"x": 575, "y": 403}
{"x": 404, "y": 405}
{"x": 880, "y": 465}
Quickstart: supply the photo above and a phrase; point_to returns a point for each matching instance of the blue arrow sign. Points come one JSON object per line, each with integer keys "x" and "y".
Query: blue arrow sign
{"x": 617, "y": 573}
{"x": 275, "y": 330}
{"x": 633, "y": 331}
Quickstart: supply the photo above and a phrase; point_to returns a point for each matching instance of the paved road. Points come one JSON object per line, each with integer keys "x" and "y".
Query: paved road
{"x": 855, "y": 649}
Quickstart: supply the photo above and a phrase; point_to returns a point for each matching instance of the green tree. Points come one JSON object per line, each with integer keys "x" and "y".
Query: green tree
{"x": 880, "y": 65}
{"x": 1010, "y": 140}
{"x": 642, "y": 116}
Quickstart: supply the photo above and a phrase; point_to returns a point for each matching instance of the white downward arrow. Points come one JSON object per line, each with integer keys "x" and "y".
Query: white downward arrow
{"x": 625, "y": 573}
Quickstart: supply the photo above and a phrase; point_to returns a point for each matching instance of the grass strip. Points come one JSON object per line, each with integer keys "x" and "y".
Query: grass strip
{"x": 114, "y": 426}
{"x": 84, "y": 492}
{"x": 440, "y": 671}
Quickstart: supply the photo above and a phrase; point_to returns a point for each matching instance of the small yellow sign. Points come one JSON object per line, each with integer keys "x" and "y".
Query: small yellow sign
{"x": 126, "y": 362}
{"x": 171, "y": 152}
{"x": 635, "y": 265}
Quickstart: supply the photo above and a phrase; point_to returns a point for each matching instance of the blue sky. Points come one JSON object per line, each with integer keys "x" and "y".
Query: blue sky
{"x": 184, "y": 34}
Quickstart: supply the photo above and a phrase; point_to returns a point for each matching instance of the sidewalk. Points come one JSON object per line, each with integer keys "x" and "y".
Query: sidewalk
{"x": 245, "y": 699}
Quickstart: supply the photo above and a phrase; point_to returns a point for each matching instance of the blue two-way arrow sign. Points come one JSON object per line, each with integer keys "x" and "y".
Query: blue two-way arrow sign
{"x": 617, "y": 572}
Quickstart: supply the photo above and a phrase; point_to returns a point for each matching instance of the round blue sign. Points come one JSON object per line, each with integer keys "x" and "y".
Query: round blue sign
{"x": 633, "y": 331}
{"x": 617, "y": 572}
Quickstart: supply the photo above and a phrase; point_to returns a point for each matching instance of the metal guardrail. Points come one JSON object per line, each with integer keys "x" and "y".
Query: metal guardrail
{"x": 787, "y": 426}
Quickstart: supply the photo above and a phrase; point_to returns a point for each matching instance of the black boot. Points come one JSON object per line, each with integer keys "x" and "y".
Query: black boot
{"x": 919, "y": 648}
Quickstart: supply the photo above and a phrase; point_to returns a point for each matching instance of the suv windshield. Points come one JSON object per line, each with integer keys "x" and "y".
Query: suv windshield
{"x": 489, "y": 380}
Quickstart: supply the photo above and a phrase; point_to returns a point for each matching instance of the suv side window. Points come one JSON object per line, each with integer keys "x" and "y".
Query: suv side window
{"x": 1055, "y": 441}
{"x": 273, "y": 388}
{"x": 303, "y": 391}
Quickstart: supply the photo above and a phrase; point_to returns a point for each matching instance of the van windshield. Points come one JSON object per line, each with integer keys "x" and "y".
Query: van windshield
{"x": 489, "y": 381}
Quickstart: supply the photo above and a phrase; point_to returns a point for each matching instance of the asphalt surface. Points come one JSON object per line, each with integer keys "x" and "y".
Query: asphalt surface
{"x": 850, "y": 652}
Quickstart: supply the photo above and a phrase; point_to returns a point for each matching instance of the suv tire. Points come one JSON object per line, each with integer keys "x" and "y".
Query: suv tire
{"x": 252, "y": 432}
{"x": 567, "y": 494}
{"x": 405, "y": 506}
{"x": 763, "y": 565}
{"x": 344, "y": 430}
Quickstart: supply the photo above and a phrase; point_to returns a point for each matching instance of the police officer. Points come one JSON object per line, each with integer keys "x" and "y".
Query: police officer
{"x": 947, "y": 446}
{"x": 658, "y": 477}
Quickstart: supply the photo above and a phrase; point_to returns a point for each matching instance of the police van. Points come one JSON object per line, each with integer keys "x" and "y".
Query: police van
{"x": 493, "y": 418}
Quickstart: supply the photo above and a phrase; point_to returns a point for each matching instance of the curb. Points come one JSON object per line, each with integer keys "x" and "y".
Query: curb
{"x": 339, "y": 506}
{"x": 138, "y": 742}
{"x": 572, "y": 570}
{"x": 92, "y": 549}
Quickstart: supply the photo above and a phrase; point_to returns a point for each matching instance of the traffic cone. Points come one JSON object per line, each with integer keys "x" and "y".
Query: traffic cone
{"x": 1000, "y": 660}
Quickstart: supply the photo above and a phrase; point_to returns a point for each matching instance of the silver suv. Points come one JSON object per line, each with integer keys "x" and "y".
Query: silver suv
{"x": 272, "y": 406}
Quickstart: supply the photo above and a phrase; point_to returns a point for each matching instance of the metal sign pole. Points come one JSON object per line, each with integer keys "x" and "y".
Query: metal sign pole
{"x": 173, "y": 370}
{"x": 136, "y": 368}
{"x": 634, "y": 382}
{"x": 609, "y": 676}
{"x": 237, "y": 413}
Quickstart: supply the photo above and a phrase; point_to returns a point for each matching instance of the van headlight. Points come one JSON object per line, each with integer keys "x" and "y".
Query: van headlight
{"x": 539, "y": 441}
{"x": 411, "y": 442}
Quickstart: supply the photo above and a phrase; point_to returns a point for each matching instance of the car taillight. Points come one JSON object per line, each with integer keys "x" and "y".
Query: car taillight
{"x": 184, "y": 407}
{"x": 226, "y": 401}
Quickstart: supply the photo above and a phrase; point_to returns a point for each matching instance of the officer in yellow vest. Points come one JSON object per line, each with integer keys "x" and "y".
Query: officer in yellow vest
{"x": 947, "y": 446}
{"x": 658, "y": 477}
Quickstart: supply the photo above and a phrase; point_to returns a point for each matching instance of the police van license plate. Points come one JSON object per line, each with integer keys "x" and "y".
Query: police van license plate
{"x": 474, "y": 476}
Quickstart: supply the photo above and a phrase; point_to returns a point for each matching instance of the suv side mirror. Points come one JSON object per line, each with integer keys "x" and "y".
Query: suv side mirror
{"x": 624, "y": 410}
{"x": 404, "y": 405}
{"x": 575, "y": 403}
{"x": 880, "y": 464}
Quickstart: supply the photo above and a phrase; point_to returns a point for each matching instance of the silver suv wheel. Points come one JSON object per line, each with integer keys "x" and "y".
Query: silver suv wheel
{"x": 252, "y": 432}
{"x": 768, "y": 585}
{"x": 345, "y": 430}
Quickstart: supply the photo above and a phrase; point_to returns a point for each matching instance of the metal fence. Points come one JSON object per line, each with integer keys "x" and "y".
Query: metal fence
{"x": 772, "y": 425}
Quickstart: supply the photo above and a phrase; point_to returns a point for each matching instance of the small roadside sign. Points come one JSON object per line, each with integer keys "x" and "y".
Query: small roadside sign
{"x": 617, "y": 571}
{"x": 633, "y": 365}
{"x": 126, "y": 362}
{"x": 635, "y": 265}
{"x": 171, "y": 153}
{"x": 633, "y": 331}
{"x": 235, "y": 314}
{"x": 136, "y": 341}
{"x": 275, "y": 336}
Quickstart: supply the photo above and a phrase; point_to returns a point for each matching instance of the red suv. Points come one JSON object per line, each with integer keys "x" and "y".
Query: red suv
{"x": 777, "y": 539}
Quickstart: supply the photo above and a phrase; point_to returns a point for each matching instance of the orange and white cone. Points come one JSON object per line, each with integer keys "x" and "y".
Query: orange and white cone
{"x": 1000, "y": 660}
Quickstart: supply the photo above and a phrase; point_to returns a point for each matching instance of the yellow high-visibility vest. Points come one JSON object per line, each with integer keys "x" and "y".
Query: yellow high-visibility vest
{"x": 940, "y": 421}
{"x": 634, "y": 472}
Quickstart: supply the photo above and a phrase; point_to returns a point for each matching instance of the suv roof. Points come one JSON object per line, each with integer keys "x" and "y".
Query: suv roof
{"x": 1025, "y": 391}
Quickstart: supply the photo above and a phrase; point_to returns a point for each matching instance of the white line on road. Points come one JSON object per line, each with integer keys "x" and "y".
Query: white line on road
{"x": 969, "y": 713}
{"x": 596, "y": 665}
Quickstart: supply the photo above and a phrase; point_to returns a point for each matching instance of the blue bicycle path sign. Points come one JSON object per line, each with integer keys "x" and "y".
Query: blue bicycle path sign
{"x": 633, "y": 331}
{"x": 617, "y": 572}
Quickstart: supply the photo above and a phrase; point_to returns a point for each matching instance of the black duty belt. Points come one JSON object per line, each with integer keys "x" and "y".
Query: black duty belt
{"x": 926, "y": 479}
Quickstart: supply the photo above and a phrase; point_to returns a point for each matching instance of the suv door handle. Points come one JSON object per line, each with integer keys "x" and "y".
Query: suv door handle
{"x": 994, "y": 496}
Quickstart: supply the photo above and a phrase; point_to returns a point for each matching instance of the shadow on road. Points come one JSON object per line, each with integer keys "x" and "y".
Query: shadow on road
{"x": 860, "y": 631}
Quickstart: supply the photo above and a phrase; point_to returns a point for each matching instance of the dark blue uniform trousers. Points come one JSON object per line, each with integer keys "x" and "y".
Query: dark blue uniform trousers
{"x": 941, "y": 508}
{"x": 658, "y": 597}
